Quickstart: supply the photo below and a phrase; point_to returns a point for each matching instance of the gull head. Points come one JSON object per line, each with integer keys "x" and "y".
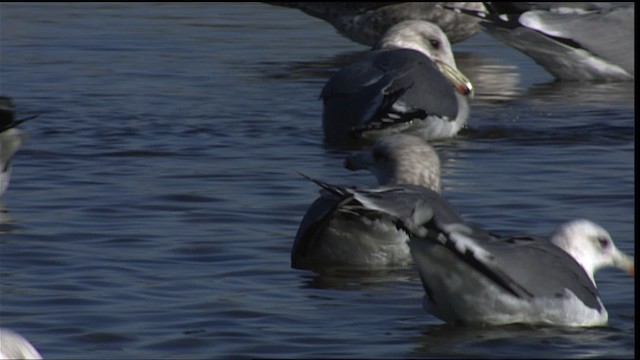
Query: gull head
{"x": 591, "y": 246}
{"x": 430, "y": 40}
{"x": 400, "y": 159}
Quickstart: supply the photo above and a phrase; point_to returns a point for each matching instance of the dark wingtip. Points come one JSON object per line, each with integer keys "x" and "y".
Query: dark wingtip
{"x": 16, "y": 123}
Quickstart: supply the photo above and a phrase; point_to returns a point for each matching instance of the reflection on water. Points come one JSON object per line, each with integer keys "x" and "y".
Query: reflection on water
{"x": 447, "y": 340}
{"x": 569, "y": 93}
{"x": 320, "y": 69}
{"x": 603, "y": 134}
{"x": 350, "y": 278}
{"x": 494, "y": 81}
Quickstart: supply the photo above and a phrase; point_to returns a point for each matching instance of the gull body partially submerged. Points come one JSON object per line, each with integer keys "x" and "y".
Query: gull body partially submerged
{"x": 408, "y": 83}
{"x": 497, "y": 280}
{"x": 335, "y": 232}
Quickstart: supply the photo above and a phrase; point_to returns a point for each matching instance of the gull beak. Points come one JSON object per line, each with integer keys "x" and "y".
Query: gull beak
{"x": 460, "y": 82}
{"x": 625, "y": 263}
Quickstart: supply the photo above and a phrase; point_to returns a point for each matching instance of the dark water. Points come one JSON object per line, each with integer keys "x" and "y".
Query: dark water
{"x": 152, "y": 211}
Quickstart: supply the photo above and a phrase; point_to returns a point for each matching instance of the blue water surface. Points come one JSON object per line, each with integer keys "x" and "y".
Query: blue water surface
{"x": 152, "y": 211}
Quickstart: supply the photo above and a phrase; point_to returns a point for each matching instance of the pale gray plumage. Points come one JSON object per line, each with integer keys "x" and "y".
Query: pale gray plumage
{"x": 471, "y": 278}
{"x": 400, "y": 159}
{"x": 573, "y": 41}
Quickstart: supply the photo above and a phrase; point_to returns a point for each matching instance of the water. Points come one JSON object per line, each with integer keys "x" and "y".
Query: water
{"x": 152, "y": 211}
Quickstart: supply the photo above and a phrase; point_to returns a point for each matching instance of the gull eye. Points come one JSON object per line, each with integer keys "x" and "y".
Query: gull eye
{"x": 603, "y": 241}
{"x": 435, "y": 43}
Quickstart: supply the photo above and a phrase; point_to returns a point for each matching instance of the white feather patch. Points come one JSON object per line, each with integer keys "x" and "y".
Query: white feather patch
{"x": 464, "y": 243}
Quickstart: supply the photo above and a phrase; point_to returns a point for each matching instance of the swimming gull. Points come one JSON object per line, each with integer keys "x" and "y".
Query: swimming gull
{"x": 573, "y": 41}
{"x": 11, "y": 138}
{"x": 366, "y": 22}
{"x": 408, "y": 83}
{"x": 333, "y": 230}
{"x": 15, "y": 346}
{"x": 472, "y": 278}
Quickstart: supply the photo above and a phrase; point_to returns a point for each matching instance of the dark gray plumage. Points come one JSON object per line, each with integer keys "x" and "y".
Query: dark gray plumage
{"x": 371, "y": 238}
{"x": 409, "y": 83}
{"x": 333, "y": 230}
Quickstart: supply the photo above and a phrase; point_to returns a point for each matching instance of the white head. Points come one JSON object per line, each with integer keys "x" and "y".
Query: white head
{"x": 400, "y": 159}
{"x": 430, "y": 40}
{"x": 591, "y": 246}
{"x": 419, "y": 35}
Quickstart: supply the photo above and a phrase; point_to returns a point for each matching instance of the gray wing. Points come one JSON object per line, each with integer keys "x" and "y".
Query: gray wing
{"x": 399, "y": 201}
{"x": 365, "y": 92}
{"x": 522, "y": 266}
{"x": 607, "y": 33}
{"x": 542, "y": 269}
{"x": 572, "y": 7}
{"x": 321, "y": 211}
{"x": 394, "y": 201}
{"x": 589, "y": 42}
{"x": 316, "y": 217}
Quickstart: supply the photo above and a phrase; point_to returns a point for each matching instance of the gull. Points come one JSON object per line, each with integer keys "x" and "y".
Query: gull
{"x": 335, "y": 232}
{"x": 572, "y": 41}
{"x": 408, "y": 83}
{"x": 366, "y": 22}
{"x": 11, "y": 138}
{"x": 472, "y": 278}
{"x": 15, "y": 346}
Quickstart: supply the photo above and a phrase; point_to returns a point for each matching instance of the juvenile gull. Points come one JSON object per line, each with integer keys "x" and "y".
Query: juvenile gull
{"x": 366, "y": 22}
{"x": 11, "y": 138}
{"x": 471, "y": 278}
{"x": 573, "y": 41}
{"x": 335, "y": 232}
{"x": 408, "y": 83}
